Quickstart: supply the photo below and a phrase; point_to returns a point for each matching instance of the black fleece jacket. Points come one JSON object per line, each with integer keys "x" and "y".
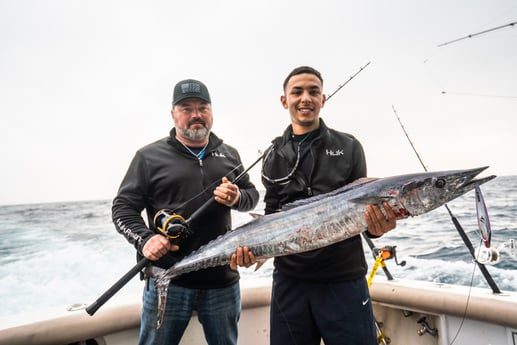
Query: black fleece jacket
{"x": 164, "y": 175}
{"x": 334, "y": 160}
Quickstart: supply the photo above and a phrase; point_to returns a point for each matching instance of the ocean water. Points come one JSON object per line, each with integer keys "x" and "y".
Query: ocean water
{"x": 55, "y": 255}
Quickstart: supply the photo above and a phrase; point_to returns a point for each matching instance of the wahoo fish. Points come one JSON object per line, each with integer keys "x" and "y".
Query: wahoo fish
{"x": 322, "y": 220}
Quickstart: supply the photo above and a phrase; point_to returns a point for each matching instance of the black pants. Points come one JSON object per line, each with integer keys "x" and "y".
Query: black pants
{"x": 303, "y": 312}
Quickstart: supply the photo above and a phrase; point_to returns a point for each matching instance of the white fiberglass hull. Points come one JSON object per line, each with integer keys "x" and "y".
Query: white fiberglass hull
{"x": 404, "y": 308}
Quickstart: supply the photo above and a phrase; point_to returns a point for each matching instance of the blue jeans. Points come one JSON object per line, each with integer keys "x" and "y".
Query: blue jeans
{"x": 218, "y": 311}
{"x": 304, "y": 312}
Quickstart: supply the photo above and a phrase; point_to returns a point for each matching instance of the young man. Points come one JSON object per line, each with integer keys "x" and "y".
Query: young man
{"x": 179, "y": 173}
{"x": 321, "y": 294}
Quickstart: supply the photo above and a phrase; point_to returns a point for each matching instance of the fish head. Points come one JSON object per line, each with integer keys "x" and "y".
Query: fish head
{"x": 421, "y": 193}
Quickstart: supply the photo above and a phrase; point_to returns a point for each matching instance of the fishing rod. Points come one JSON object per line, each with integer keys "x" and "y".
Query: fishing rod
{"x": 381, "y": 255}
{"x": 372, "y": 248}
{"x": 476, "y": 34}
{"x": 457, "y": 224}
{"x": 174, "y": 227}
{"x": 173, "y": 231}
{"x": 349, "y": 79}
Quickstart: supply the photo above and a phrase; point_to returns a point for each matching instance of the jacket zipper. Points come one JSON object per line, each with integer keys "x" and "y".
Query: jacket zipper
{"x": 309, "y": 178}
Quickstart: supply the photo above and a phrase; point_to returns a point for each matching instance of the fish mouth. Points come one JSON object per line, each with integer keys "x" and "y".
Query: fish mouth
{"x": 461, "y": 182}
{"x": 469, "y": 179}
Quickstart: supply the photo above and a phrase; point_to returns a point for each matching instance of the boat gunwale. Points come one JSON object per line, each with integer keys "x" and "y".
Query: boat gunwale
{"x": 405, "y": 295}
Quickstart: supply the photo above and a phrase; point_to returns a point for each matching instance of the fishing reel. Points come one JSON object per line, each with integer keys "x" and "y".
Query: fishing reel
{"x": 388, "y": 252}
{"x": 172, "y": 225}
{"x": 487, "y": 256}
{"x": 491, "y": 255}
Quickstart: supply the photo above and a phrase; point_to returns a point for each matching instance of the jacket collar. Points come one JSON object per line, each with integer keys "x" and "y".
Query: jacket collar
{"x": 286, "y": 136}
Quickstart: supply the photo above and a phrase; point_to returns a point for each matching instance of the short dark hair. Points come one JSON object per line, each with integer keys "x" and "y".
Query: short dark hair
{"x": 302, "y": 70}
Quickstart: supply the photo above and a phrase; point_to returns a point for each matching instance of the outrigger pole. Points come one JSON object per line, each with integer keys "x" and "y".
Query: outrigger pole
{"x": 457, "y": 224}
{"x": 92, "y": 308}
{"x": 476, "y": 34}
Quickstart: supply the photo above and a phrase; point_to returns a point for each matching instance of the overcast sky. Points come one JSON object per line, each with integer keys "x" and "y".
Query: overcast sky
{"x": 84, "y": 84}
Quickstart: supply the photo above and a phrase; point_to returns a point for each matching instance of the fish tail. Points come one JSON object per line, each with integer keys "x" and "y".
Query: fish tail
{"x": 161, "y": 290}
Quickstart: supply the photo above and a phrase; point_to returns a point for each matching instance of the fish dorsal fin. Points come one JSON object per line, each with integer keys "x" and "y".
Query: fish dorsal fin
{"x": 361, "y": 180}
{"x": 337, "y": 191}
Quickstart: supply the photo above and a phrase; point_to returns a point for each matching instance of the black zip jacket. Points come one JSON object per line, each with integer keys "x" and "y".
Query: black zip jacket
{"x": 335, "y": 159}
{"x": 164, "y": 175}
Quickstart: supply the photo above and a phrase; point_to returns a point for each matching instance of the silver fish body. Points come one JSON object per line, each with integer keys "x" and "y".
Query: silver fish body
{"x": 325, "y": 219}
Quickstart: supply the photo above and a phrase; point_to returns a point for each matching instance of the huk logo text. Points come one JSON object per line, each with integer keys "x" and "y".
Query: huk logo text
{"x": 333, "y": 153}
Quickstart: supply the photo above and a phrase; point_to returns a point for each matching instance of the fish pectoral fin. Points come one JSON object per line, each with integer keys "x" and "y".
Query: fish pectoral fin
{"x": 256, "y": 215}
{"x": 260, "y": 262}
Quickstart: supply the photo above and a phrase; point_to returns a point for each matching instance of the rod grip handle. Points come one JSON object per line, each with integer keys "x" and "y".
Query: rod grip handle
{"x": 92, "y": 308}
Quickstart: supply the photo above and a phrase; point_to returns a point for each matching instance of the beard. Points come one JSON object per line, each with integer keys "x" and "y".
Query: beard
{"x": 197, "y": 134}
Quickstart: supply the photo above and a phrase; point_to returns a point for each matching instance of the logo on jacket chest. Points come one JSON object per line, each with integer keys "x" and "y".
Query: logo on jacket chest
{"x": 334, "y": 153}
{"x": 218, "y": 154}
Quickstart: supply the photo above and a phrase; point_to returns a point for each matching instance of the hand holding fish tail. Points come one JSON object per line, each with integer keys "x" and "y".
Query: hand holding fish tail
{"x": 227, "y": 193}
{"x": 380, "y": 222}
{"x": 157, "y": 246}
{"x": 243, "y": 257}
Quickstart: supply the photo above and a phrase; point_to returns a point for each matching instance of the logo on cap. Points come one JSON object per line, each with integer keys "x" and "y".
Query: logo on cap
{"x": 190, "y": 87}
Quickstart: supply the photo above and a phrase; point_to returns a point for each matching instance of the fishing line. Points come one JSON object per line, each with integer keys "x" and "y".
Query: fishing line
{"x": 285, "y": 179}
{"x": 467, "y": 303}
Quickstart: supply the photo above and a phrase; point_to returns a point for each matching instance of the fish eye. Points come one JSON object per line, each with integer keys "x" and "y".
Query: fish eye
{"x": 439, "y": 183}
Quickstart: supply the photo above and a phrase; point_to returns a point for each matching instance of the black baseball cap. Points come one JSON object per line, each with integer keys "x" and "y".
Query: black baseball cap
{"x": 190, "y": 88}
